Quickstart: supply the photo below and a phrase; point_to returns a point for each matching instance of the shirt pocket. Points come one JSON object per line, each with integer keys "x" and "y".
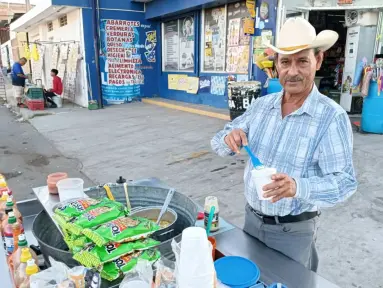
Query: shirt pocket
{"x": 300, "y": 152}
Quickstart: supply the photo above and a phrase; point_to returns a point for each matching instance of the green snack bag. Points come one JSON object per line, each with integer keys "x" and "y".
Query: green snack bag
{"x": 65, "y": 212}
{"x": 124, "y": 229}
{"x": 94, "y": 256}
{"x": 93, "y": 218}
{"x": 113, "y": 270}
{"x": 76, "y": 243}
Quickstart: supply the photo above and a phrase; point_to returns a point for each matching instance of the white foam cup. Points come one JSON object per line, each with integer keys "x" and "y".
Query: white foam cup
{"x": 262, "y": 177}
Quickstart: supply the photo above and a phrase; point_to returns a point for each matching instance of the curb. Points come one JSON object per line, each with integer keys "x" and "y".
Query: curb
{"x": 187, "y": 109}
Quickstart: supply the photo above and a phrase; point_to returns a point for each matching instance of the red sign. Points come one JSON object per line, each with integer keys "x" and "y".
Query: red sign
{"x": 344, "y": 2}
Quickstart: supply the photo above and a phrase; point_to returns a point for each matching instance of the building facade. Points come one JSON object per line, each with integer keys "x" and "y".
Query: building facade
{"x": 179, "y": 50}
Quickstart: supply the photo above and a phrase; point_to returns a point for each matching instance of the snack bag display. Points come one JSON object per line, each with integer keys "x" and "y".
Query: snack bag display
{"x": 94, "y": 256}
{"x": 124, "y": 229}
{"x": 94, "y": 217}
{"x": 113, "y": 270}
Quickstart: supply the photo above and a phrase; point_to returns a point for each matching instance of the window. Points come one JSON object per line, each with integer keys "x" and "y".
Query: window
{"x": 178, "y": 45}
{"x": 63, "y": 21}
{"x": 50, "y": 26}
{"x": 225, "y": 47}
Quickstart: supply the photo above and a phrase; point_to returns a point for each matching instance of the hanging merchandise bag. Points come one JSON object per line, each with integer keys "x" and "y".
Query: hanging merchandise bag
{"x": 35, "y": 53}
{"x": 27, "y": 52}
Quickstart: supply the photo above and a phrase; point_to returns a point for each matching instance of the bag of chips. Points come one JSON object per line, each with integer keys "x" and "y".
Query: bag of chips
{"x": 94, "y": 217}
{"x": 94, "y": 256}
{"x": 124, "y": 229}
{"x": 113, "y": 270}
{"x": 76, "y": 243}
{"x": 77, "y": 207}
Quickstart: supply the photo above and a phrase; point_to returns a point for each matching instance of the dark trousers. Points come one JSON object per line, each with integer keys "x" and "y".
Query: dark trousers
{"x": 48, "y": 98}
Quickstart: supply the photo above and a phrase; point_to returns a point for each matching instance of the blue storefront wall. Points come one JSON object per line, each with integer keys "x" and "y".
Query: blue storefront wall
{"x": 121, "y": 10}
{"x": 159, "y": 9}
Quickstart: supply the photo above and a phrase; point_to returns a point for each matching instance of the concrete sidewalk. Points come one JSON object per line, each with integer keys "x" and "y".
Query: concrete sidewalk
{"x": 141, "y": 140}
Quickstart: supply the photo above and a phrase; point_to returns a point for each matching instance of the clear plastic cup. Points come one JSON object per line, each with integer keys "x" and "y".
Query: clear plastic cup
{"x": 260, "y": 178}
{"x": 70, "y": 188}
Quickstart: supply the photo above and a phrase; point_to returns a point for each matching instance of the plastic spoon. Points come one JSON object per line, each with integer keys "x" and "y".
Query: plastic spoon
{"x": 166, "y": 204}
{"x": 127, "y": 196}
{"x": 210, "y": 220}
{"x": 256, "y": 163}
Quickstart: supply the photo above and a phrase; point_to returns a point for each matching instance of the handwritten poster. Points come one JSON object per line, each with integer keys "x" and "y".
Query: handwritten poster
{"x": 120, "y": 60}
{"x": 193, "y": 83}
{"x": 172, "y": 81}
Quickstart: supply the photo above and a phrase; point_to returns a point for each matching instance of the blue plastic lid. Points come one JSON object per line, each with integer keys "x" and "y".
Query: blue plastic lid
{"x": 236, "y": 271}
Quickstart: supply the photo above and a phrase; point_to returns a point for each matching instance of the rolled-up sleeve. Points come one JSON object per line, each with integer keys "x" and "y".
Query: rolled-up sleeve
{"x": 242, "y": 122}
{"x": 335, "y": 162}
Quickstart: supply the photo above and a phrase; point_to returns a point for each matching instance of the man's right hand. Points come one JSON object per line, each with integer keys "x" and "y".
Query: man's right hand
{"x": 236, "y": 139}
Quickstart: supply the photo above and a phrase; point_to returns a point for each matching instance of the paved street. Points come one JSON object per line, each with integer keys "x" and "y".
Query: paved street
{"x": 140, "y": 140}
{"x": 27, "y": 157}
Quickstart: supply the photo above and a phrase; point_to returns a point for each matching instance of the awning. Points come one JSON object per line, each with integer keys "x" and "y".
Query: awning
{"x": 343, "y": 7}
{"x": 44, "y": 12}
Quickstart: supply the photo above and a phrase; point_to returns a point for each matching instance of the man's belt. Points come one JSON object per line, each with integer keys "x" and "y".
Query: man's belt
{"x": 273, "y": 220}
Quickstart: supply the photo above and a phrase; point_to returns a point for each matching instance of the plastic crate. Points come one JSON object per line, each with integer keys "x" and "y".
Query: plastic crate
{"x": 35, "y": 93}
{"x": 34, "y": 104}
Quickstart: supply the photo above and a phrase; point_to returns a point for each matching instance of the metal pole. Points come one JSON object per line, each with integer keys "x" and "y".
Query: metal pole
{"x": 27, "y": 5}
{"x": 96, "y": 40}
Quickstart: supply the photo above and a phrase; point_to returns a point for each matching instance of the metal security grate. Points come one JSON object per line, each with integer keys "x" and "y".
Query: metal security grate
{"x": 50, "y": 26}
{"x": 63, "y": 21}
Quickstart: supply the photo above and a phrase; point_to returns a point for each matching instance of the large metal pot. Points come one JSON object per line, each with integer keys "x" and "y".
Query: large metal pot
{"x": 143, "y": 193}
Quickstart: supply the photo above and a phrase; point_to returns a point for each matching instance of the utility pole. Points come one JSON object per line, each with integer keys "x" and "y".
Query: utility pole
{"x": 28, "y": 7}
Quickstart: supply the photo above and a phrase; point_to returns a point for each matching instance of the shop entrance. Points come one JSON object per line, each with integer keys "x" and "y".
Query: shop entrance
{"x": 329, "y": 78}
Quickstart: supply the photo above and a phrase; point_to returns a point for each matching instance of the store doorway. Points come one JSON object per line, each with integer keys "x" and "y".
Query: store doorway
{"x": 329, "y": 78}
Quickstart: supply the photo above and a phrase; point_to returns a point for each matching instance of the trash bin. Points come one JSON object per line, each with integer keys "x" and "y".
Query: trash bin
{"x": 241, "y": 95}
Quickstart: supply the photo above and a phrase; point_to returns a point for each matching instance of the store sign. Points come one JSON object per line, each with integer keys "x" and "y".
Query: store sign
{"x": 340, "y": 2}
{"x": 123, "y": 53}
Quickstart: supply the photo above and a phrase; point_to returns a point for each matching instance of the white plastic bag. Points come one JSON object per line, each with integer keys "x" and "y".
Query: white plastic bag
{"x": 50, "y": 277}
{"x": 140, "y": 277}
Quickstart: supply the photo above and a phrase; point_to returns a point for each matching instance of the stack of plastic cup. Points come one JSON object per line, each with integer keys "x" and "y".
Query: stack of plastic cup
{"x": 196, "y": 267}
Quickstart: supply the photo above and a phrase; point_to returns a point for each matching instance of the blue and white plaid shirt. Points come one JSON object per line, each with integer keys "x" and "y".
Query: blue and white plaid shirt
{"x": 313, "y": 145}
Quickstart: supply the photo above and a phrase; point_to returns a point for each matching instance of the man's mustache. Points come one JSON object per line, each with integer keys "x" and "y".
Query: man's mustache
{"x": 294, "y": 79}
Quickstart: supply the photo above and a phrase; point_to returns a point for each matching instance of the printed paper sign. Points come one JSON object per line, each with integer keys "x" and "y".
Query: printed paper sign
{"x": 172, "y": 81}
{"x": 218, "y": 85}
{"x": 204, "y": 84}
{"x": 193, "y": 83}
{"x": 182, "y": 83}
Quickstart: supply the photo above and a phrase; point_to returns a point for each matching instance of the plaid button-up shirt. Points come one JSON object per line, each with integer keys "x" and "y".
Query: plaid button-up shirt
{"x": 313, "y": 145}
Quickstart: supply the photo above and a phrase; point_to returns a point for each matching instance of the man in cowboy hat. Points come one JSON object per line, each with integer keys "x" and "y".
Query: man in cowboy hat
{"x": 306, "y": 136}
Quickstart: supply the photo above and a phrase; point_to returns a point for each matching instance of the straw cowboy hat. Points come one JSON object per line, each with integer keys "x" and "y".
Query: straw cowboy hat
{"x": 298, "y": 34}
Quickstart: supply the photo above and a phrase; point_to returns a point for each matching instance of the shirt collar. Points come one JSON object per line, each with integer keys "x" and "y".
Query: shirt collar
{"x": 308, "y": 107}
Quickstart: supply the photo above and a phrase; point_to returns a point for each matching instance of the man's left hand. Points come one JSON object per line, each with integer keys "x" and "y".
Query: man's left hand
{"x": 282, "y": 187}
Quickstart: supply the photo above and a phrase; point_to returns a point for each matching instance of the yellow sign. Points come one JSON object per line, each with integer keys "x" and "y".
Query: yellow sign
{"x": 193, "y": 83}
{"x": 183, "y": 83}
{"x": 248, "y": 26}
{"x": 250, "y": 4}
{"x": 172, "y": 81}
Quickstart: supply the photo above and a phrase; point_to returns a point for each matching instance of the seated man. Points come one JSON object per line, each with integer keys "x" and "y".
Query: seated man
{"x": 57, "y": 89}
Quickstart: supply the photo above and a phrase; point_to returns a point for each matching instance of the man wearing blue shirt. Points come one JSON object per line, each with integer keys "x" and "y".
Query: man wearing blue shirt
{"x": 18, "y": 80}
{"x": 305, "y": 136}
